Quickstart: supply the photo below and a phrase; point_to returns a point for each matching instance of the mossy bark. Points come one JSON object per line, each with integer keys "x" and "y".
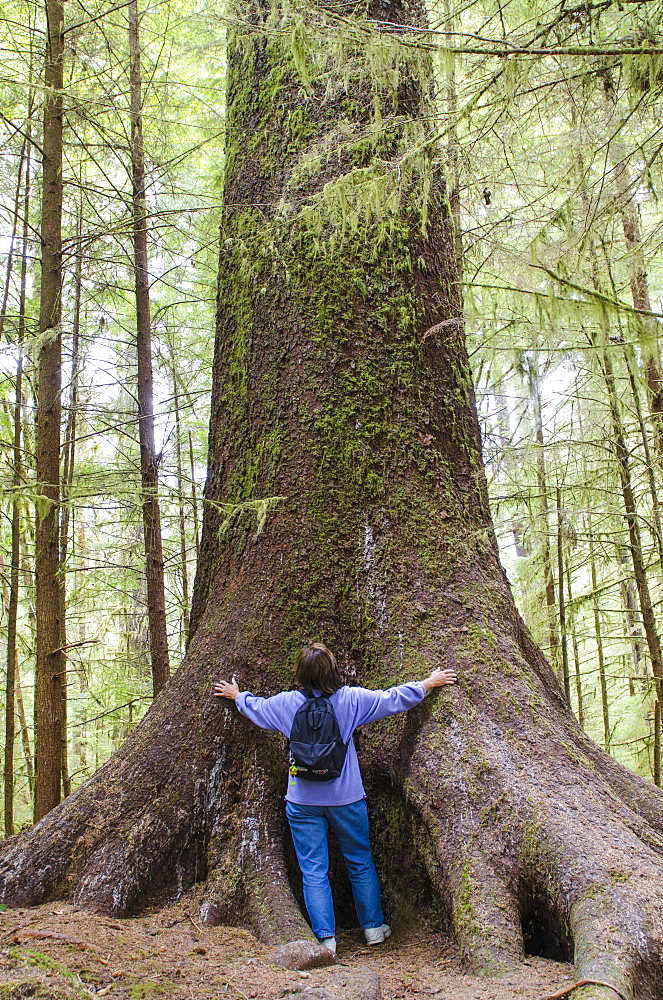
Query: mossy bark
{"x": 346, "y": 502}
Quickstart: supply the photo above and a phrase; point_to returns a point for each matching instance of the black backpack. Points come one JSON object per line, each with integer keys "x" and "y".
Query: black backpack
{"x": 317, "y": 752}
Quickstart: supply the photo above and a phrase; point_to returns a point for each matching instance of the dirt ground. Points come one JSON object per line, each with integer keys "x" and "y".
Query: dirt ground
{"x": 56, "y": 952}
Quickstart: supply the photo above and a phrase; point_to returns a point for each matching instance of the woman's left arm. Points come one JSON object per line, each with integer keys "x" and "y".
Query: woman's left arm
{"x": 375, "y": 705}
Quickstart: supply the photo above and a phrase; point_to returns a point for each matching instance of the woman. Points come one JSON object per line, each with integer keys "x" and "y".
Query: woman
{"x": 313, "y": 806}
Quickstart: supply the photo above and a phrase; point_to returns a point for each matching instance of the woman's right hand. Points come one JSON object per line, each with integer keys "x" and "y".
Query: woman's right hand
{"x": 438, "y": 678}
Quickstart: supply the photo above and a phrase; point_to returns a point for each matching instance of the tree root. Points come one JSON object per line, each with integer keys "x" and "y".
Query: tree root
{"x": 248, "y": 878}
{"x": 567, "y": 991}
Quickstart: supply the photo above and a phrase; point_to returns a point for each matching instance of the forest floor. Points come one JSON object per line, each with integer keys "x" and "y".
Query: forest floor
{"x": 56, "y": 952}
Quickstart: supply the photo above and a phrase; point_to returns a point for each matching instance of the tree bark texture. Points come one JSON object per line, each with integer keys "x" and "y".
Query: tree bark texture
{"x": 342, "y": 388}
{"x": 149, "y": 460}
{"x": 49, "y": 592}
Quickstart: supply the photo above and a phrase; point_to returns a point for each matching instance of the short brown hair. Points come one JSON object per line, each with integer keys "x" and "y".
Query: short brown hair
{"x": 316, "y": 667}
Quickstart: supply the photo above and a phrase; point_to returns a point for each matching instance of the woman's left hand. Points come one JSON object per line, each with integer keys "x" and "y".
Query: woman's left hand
{"x": 439, "y": 678}
{"x": 226, "y": 689}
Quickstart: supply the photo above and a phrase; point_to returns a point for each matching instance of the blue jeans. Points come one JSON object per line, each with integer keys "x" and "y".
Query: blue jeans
{"x": 309, "y": 826}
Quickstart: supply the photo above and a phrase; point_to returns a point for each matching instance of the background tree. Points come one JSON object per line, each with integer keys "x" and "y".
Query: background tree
{"x": 50, "y": 662}
{"x": 149, "y": 460}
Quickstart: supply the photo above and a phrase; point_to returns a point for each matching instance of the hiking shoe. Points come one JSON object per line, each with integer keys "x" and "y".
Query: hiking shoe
{"x": 376, "y": 935}
{"x": 329, "y": 943}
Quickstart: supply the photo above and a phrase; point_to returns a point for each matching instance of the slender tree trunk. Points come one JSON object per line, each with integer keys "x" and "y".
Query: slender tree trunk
{"x": 647, "y": 325}
{"x": 510, "y": 460}
{"x": 27, "y": 562}
{"x": 67, "y": 483}
{"x": 633, "y": 524}
{"x": 551, "y": 603}
{"x": 574, "y": 643}
{"x": 657, "y": 530}
{"x": 634, "y": 631}
{"x": 605, "y": 704}
{"x": 149, "y": 461}
{"x": 181, "y": 511}
{"x": 560, "y": 593}
{"x": 24, "y": 161}
{"x": 194, "y": 495}
{"x": 623, "y": 465}
{"x": 25, "y": 733}
{"x": 50, "y": 655}
{"x": 17, "y": 483}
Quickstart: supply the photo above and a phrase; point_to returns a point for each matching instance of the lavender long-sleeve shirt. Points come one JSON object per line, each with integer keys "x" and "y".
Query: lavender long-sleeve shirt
{"x": 354, "y": 706}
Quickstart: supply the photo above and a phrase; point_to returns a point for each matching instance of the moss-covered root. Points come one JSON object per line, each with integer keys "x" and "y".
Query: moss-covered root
{"x": 260, "y": 899}
{"x": 611, "y": 940}
{"x": 590, "y": 893}
{"x": 248, "y": 879}
{"x": 601, "y": 909}
{"x": 485, "y": 919}
{"x": 255, "y": 894}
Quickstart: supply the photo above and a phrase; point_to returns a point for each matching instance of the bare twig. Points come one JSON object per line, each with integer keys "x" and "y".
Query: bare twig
{"x": 583, "y": 982}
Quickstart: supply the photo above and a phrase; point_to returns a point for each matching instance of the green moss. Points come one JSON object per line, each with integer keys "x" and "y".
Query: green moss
{"x": 508, "y": 704}
{"x": 42, "y": 961}
{"x": 496, "y": 811}
{"x": 618, "y": 877}
{"x": 463, "y": 905}
{"x": 530, "y": 843}
{"x": 148, "y": 988}
{"x": 32, "y": 989}
{"x": 574, "y": 756}
{"x": 300, "y": 126}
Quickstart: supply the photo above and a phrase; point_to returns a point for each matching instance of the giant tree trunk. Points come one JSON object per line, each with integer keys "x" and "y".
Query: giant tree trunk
{"x": 342, "y": 389}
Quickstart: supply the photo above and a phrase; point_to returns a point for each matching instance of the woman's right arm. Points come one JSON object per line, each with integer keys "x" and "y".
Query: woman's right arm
{"x": 268, "y": 713}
